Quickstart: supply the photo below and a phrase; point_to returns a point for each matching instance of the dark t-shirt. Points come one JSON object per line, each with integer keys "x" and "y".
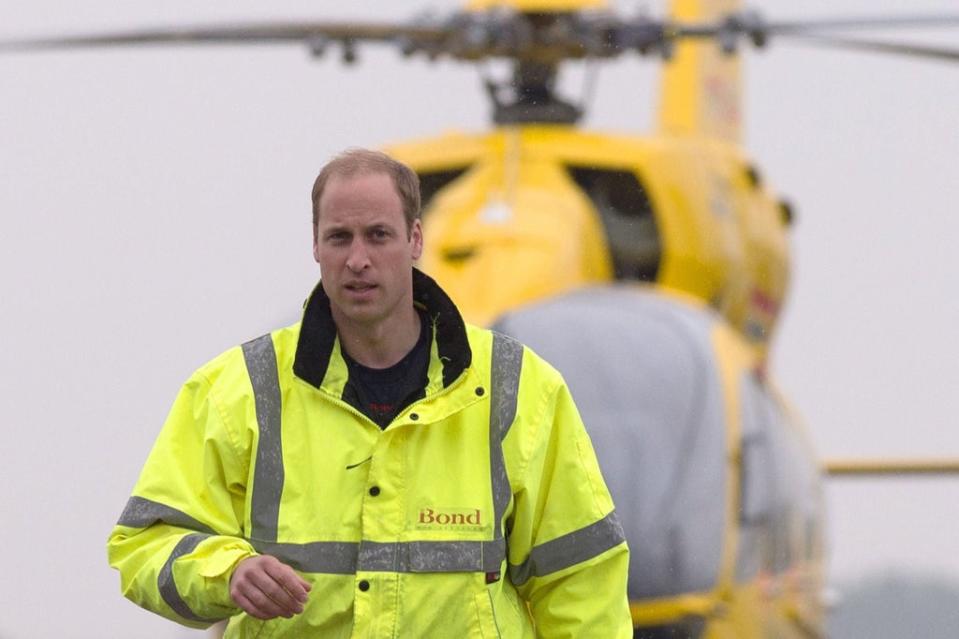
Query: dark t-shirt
{"x": 381, "y": 393}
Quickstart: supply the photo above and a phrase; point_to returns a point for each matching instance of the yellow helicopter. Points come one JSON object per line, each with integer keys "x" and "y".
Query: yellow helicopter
{"x": 674, "y": 245}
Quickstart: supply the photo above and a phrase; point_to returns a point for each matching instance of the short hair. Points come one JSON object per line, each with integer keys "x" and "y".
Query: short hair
{"x": 357, "y": 161}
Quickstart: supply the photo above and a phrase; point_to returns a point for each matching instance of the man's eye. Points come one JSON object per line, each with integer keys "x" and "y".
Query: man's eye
{"x": 337, "y": 238}
{"x": 379, "y": 234}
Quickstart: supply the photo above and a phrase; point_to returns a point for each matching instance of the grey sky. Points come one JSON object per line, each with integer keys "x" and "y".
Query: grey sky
{"x": 155, "y": 208}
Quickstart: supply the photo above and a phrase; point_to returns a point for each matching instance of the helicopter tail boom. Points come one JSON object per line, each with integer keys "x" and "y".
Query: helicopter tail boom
{"x": 701, "y": 86}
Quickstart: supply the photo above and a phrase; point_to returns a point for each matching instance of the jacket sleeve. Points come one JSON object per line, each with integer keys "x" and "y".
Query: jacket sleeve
{"x": 180, "y": 535}
{"x": 567, "y": 551}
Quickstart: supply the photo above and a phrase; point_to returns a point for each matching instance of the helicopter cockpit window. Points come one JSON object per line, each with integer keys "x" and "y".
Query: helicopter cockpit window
{"x": 627, "y": 216}
{"x": 432, "y": 182}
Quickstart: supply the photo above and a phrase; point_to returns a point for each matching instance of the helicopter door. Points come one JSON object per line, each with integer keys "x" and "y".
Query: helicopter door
{"x": 780, "y": 501}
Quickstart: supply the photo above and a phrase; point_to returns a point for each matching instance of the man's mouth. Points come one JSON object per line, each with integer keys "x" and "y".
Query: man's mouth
{"x": 359, "y": 287}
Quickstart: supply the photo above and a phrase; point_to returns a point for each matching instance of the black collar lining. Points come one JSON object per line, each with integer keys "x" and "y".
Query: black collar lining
{"x": 318, "y": 332}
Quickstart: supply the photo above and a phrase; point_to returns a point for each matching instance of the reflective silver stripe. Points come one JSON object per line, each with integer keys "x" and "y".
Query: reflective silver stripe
{"x": 167, "y": 585}
{"x": 432, "y": 556}
{"x": 142, "y": 513}
{"x": 331, "y": 557}
{"x": 345, "y": 558}
{"x": 260, "y": 359}
{"x": 507, "y": 363}
{"x": 570, "y": 549}
{"x": 494, "y": 553}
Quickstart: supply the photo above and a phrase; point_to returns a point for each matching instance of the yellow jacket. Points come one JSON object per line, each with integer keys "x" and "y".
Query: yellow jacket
{"x": 479, "y": 511}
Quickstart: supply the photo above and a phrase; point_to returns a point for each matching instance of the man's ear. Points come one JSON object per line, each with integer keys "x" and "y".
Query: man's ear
{"x": 416, "y": 237}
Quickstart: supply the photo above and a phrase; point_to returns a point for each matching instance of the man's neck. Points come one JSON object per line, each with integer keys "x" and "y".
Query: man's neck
{"x": 379, "y": 345}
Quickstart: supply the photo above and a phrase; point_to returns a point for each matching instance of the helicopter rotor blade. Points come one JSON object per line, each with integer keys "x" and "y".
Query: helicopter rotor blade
{"x": 265, "y": 33}
{"x": 751, "y": 25}
{"x": 461, "y": 35}
{"x": 877, "y": 23}
{"x": 812, "y": 32}
{"x": 878, "y": 46}
{"x": 477, "y": 35}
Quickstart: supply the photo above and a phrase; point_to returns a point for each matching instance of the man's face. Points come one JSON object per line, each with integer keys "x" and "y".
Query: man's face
{"x": 364, "y": 250}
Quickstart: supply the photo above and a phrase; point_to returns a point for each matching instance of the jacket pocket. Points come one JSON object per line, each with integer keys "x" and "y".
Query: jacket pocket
{"x": 485, "y": 615}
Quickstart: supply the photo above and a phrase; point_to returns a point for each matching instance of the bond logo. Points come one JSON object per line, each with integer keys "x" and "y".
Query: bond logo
{"x": 450, "y": 518}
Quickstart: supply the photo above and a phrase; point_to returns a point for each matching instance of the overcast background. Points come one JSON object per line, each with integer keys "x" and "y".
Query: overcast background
{"x": 155, "y": 211}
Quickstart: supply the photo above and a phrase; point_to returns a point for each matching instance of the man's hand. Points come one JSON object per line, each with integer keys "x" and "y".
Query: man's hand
{"x": 266, "y": 588}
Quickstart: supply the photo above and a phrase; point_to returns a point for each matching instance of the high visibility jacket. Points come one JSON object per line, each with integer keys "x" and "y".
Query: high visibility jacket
{"x": 479, "y": 511}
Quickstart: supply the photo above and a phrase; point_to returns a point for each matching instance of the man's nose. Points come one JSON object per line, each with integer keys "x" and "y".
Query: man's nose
{"x": 358, "y": 258}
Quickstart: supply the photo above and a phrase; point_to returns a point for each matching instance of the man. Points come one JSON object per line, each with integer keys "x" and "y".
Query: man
{"x": 380, "y": 469}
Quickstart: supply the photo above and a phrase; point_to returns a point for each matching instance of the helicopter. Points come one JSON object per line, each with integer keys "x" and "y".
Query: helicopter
{"x": 721, "y": 291}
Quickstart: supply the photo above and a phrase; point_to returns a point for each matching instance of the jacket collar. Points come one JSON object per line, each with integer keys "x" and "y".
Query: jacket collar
{"x": 318, "y": 332}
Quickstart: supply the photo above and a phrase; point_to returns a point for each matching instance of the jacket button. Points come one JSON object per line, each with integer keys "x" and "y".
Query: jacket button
{"x": 414, "y": 416}
{"x": 480, "y": 391}
{"x": 374, "y": 491}
{"x": 364, "y": 585}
